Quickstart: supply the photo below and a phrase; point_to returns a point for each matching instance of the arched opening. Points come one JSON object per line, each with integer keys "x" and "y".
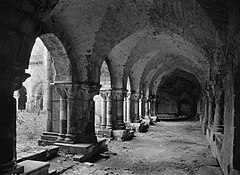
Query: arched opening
{"x": 48, "y": 64}
{"x": 177, "y": 96}
{"x": 101, "y": 100}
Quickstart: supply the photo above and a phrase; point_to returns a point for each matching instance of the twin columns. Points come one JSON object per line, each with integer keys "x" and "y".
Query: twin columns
{"x": 120, "y": 107}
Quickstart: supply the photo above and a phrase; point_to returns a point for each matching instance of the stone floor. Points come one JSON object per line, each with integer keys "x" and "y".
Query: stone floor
{"x": 168, "y": 148}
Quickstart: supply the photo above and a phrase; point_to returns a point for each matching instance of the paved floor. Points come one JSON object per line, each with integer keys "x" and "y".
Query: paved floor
{"x": 168, "y": 148}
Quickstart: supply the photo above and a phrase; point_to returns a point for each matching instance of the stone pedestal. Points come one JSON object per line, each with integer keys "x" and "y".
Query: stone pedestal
{"x": 35, "y": 167}
{"x": 18, "y": 170}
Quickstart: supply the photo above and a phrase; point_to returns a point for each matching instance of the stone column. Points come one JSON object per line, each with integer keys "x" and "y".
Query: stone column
{"x": 211, "y": 111}
{"x": 117, "y": 100}
{"x": 219, "y": 110}
{"x": 49, "y": 94}
{"x": 63, "y": 114}
{"x": 153, "y": 106}
{"x": 86, "y": 111}
{"x": 128, "y": 107}
{"x": 104, "y": 110}
{"x": 146, "y": 100}
{"x": 142, "y": 106}
{"x": 109, "y": 110}
{"x": 205, "y": 119}
{"x": 124, "y": 109}
{"x": 134, "y": 98}
{"x": 10, "y": 80}
{"x": 16, "y": 96}
{"x": 16, "y": 42}
{"x": 201, "y": 111}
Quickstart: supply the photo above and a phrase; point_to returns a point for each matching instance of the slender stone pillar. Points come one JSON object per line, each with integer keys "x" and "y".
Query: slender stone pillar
{"x": 109, "y": 110}
{"x": 142, "y": 106}
{"x": 125, "y": 109}
{"x": 117, "y": 100}
{"x": 49, "y": 94}
{"x": 16, "y": 96}
{"x": 219, "y": 110}
{"x": 134, "y": 98}
{"x": 153, "y": 106}
{"x": 211, "y": 111}
{"x": 63, "y": 114}
{"x": 146, "y": 107}
{"x": 205, "y": 119}
{"x": 104, "y": 110}
{"x": 128, "y": 119}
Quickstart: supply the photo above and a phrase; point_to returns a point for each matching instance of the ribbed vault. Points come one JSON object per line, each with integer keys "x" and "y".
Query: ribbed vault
{"x": 94, "y": 29}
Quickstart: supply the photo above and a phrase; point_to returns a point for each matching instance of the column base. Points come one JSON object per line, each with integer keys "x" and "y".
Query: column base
{"x": 70, "y": 138}
{"x": 48, "y": 138}
{"x": 120, "y": 126}
{"x": 104, "y": 132}
{"x": 18, "y": 170}
{"x": 85, "y": 149}
{"x": 61, "y": 137}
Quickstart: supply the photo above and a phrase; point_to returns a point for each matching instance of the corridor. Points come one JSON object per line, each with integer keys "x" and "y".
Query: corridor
{"x": 168, "y": 148}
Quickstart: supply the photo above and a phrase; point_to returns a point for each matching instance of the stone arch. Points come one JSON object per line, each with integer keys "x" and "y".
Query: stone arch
{"x": 157, "y": 78}
{"x": 105, "y": 24}
{"x": 153, "y": 50}
{"x": 180, "y": 85}
{"x": 100, "y": 99}
{"x": 61, "y": 63}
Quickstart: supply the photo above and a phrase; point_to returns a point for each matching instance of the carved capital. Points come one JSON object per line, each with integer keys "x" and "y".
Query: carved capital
{"x": 11, "y": 80}
{"x": 65, "y": 89}
{"x": 118, "y": 94}
{"x": 105, "y": 94}
{"x": 135, "y": 96}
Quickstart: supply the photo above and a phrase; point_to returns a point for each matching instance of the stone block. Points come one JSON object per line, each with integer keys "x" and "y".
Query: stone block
{"x": 124, "y": 135}
{"x": 85, "y": 151}
{"x": 79, "y": 148}
{"x": 209, "y": 170}
{"x": 104, "y": 133}
{"x": 48, "y": 138}
{"x": 32, "y": 167}
{"x": 19, "y": 170}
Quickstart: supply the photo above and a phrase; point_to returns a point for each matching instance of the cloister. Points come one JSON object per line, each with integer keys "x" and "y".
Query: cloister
{"x": 138, "y": 60}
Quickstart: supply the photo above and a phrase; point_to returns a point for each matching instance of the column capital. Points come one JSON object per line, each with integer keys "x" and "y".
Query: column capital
{"x": 64, "y": 89}
{"x": 11, "y": 80}
{"x": 105, "y": 94}
{"x": 118, "y": 94}
{"x": 135, "y": 96}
